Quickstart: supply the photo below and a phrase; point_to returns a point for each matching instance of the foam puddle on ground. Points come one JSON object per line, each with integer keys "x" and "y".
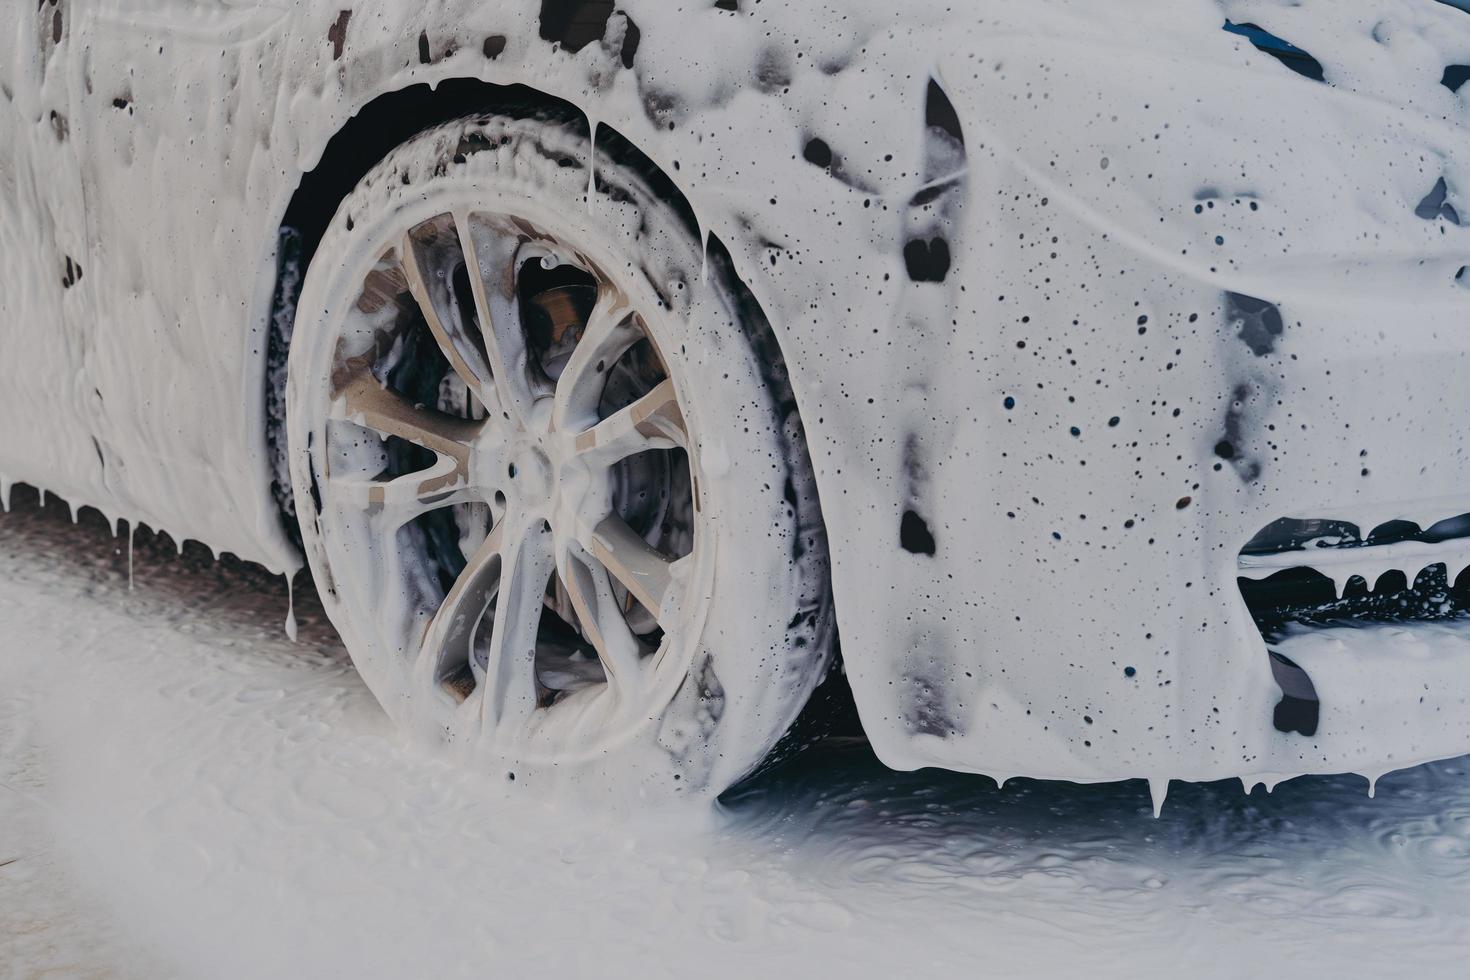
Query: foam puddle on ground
{"x": 188, "y": 792}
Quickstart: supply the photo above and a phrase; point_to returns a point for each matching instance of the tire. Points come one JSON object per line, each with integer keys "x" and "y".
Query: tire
{"x": 624, "y": 433}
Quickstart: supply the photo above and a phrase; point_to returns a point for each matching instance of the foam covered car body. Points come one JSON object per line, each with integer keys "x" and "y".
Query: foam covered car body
{"x": 1073, "y": 301}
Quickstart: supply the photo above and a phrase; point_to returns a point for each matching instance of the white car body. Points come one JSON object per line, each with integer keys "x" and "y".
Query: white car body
{"x": 1045, "y": 589}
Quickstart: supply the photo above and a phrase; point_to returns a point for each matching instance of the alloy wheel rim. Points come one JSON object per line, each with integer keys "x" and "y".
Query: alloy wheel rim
{"x": 558, "y": 442}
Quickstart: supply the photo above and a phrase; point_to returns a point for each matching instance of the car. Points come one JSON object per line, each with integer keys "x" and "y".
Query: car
{"x": 1098, "y": 373}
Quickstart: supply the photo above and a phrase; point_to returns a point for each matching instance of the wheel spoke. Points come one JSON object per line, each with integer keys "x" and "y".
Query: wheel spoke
{"x": 430, "y": 254}
{"x": 645, "y": 572}
{"x": 654, "y": 421}
{"x": 364, "y": 401}
{"x": 490, "y": 255}
{"x": 590, "y": 588}
{"x": 449, "y": 640}
{"x": 390, "y": 504}
{"x": 510, "y": 673}
{"x": 609, "y": 333}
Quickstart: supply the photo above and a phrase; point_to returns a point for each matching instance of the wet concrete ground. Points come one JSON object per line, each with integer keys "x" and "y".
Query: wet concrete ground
{"x": 185, "y": 792}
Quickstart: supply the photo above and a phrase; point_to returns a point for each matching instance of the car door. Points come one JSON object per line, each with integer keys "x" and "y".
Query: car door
{"x": 45, "y": 303}
{"x": 172, "y": 130}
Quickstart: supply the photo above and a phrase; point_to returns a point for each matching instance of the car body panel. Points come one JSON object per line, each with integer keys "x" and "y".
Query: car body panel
{"x": 48, "y": 412}
{"x": 1035, "y": 589}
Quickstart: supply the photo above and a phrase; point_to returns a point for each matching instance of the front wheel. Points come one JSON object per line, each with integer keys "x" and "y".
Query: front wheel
{"x": 551, "y": 480}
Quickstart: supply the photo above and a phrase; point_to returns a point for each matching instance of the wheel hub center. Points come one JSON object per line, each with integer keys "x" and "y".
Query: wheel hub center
{"x": 530, "y": 472}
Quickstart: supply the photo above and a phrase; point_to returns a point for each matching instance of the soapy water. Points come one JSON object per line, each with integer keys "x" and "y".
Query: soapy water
{"x": 184, "y": 791}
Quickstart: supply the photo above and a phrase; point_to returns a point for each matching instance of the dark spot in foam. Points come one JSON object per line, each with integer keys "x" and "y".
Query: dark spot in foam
{"x": 121, "y": 103}
{"x": 927, "y": 261}
{"x": 97, "y": 448}
{"x": 660, "y": 105}
{"x": 337, "y": 33}
{"x": 72, "y": 274}
{"x": 1228, "y": 448}
{"x": 1454, "y": 76}
{"x": 494, "y": 45}
{"x": 59, "y": 126}
{"x": 1434, "y": 205}
{"x": 424, "y": 47}
{"x": 930, "y": 194}
{"x": 315, "y": 489}
{"x": 926, "y": 712}
{"x": 727, "y": 4}
{"x": 914, "y": 534}
{"x": 1299, "y": 708}
{"x": 1259, "y": 322}
{"x": 817, "y": 152}
{"x": 773, "y": 70}
{"x": 1282, "y": 50}
{"x": 631, "y": 39}
{"x": 711, "y": 693}
{"x": 915, "y": 476}
{"x": 939, "y": 112}
{"x": 56, "y": 28}
{"x": 574, "y": 24}
{"x": 944, "y": 150}
{"x": 1297, "y": 714}
{"x": 1394, "y": 532}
